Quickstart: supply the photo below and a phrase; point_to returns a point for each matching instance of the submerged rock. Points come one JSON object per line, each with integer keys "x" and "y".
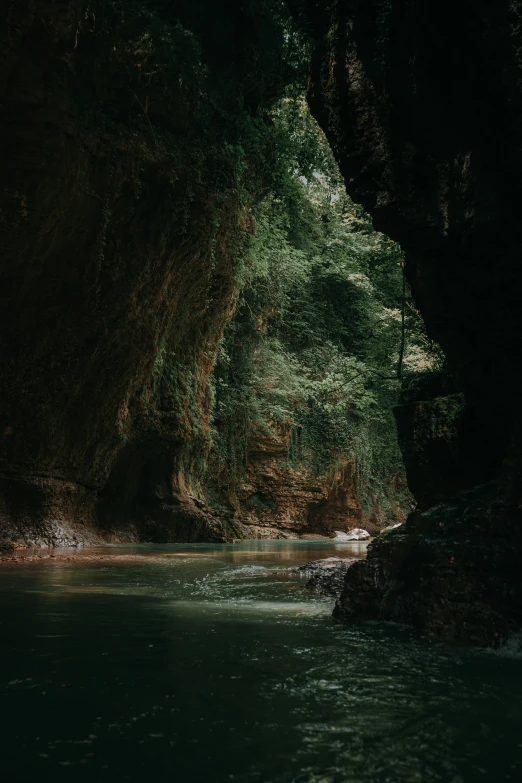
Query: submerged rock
{"x": 326, "y": 576}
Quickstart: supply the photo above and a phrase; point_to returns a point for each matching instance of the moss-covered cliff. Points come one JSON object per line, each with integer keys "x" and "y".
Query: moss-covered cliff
{"x": 135, "y": 147}
{"x": 311, "y": 364}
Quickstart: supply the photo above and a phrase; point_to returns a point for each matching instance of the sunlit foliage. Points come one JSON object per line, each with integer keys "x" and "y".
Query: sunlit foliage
{"x": 314, "y": 347}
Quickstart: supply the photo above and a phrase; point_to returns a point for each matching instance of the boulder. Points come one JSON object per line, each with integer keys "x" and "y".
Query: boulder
{"x": 326, "y": 576}
{"x": 356, "y": 534}
{"x": 388, "y": 529}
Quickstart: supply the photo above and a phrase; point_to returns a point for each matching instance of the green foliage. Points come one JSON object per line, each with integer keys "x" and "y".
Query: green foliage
{"x": 196, "y": 87}
{"x": 197, "y": 106}
{"x": 314, "y": 346}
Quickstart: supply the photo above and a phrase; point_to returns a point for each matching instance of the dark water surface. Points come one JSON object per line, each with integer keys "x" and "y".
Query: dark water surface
{"x": 211, "y": 663}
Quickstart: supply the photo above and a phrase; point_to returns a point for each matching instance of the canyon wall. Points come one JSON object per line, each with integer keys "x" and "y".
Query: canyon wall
{"x": 422, "y": 105}
{"x": 274, "y": 497}
{"x": 128, "y": 179}
{"x": 135, "y": 153}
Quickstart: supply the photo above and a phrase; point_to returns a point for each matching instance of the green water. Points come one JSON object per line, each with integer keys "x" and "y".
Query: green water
{"x": 211, "y": 663}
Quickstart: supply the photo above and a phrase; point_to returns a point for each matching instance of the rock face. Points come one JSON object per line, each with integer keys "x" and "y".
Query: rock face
{"x": 452, "y": 571}
{"x": 126, "y": 201}
{"x": 422, "y": 103}
{"x": 440, "y": 440}
{"x": 277, "y": 498}
{"x": 122, "y": 217}
{"x": 424, "y": 115}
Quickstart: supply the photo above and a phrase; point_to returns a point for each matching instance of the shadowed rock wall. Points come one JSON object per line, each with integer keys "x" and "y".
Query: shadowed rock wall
{"x": 422, "y": 104}
{"x": 122, "y": 215}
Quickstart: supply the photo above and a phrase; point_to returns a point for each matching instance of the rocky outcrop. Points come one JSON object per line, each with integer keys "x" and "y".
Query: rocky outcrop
{"x": 283, "y": 498}
{"x": 326, "y": 576}
{"x": 452, "y": 571}
{"x": 357, "y": 534}
{"x": 125, "y": 201}
{"x": 422, "y": 104}
{"x": 441, "y": 444}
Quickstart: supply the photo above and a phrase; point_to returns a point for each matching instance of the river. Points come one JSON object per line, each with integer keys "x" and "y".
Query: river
{"x": 192, "y": 663}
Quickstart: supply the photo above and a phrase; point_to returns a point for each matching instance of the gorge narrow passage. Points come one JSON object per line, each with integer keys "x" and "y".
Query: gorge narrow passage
{"x": 260, "y": 302}
{"x": 213, "y": 663}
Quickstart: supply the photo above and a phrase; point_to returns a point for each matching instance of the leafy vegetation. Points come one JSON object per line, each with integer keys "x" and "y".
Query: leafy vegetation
{"x": 315, "y": 347}
{"x": 200, "y": 93}
{"x": 315, "y": 350}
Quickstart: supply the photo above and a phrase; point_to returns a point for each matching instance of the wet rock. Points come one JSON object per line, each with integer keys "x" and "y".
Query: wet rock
{"x": 447, "y": 571}
{"x": 326, "y": 576}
